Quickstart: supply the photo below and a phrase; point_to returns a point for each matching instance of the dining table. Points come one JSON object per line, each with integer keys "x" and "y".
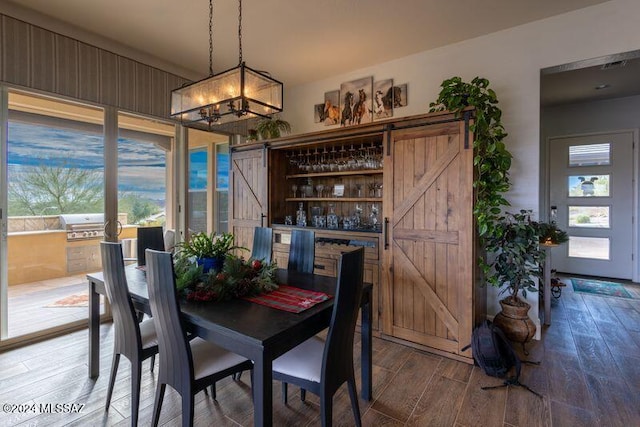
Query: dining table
{"x": 252, "y": 330}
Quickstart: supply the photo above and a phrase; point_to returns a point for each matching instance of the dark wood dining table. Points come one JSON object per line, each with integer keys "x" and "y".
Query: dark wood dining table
{"x": 252, "y": 330}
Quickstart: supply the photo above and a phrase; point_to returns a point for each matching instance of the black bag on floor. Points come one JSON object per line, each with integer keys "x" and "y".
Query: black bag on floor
{"x": 492, "y": 351}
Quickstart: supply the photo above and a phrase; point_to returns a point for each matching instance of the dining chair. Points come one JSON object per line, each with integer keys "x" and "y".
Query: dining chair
{"x": 319, "y": 366}
{"x": 149, "y": 238}
{"x": 188, "y": 366}
{"x": 133, "y": 340}
{"x": 302, "y": 251}
{"x": 169, "y": 240}
{"x": 262, "y": 244}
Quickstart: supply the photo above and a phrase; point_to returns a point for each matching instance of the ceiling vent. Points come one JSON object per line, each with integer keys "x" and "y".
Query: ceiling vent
{"x": 614, "y": 64}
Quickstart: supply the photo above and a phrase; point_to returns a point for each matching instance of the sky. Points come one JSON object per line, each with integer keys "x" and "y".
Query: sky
{"x": 141, "y": 165}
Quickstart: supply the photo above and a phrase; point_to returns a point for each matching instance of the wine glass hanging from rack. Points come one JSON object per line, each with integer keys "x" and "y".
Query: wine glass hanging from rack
{"x": 342, "y": 157}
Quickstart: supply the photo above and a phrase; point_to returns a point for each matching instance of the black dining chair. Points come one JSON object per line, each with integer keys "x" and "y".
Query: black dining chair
{"x": 302, "y": 251}
{"x": 321, "y": 367}
{"x": 262, "y": 244}
{"x": 149, "y": 238}
{"x": 188, "y": 366}
{"x": 133, "y": 340}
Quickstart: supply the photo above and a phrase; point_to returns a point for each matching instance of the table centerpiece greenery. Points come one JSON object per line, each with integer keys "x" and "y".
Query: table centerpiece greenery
{"x": 234, "y": 277}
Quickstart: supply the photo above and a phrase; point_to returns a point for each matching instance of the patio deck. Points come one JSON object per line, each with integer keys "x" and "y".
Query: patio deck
{"x": 32, "y": 308}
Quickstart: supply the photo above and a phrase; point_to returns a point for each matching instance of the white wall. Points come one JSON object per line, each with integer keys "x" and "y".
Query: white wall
{"x": 511, "y": 60}
{"x": 590, "y": 117}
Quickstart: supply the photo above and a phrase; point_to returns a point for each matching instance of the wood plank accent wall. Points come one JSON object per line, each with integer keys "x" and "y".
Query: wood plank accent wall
{"x": 36, "y": 58}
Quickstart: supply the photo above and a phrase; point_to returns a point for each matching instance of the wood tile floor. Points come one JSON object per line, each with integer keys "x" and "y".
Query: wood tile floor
{"x": 589, "y": 376}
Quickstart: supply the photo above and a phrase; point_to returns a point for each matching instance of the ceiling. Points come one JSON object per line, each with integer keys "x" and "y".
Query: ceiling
{"x": 296, "y": 41}
{"x": 611, "y": 77}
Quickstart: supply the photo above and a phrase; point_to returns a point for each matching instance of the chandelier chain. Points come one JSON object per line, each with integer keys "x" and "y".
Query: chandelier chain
{"x": 240, "y": 31}
{"x": 210, "y": 37}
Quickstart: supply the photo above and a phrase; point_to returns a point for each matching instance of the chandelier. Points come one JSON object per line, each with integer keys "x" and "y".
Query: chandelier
{"x": 230, "y": 96}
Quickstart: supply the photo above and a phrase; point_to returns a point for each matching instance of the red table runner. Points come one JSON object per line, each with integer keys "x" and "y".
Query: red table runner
{"x": 289, "y": 298}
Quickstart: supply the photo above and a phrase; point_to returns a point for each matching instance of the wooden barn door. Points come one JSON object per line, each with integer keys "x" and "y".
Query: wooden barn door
{"x": 429, "y": 258}
{"x": 248, "y": 191}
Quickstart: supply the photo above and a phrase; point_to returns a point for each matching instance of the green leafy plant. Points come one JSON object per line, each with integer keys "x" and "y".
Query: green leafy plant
{"x": 272, "y": 128}
{"x": 237, "y": 278}
{"x": 518, "y": 255}
{"x": 491, "y": 159}
{"x": 550, "y": 234}
{"x": 203, "y": 245}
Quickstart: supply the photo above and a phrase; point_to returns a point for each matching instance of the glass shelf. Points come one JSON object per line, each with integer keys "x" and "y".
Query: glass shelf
{"x": 334, "y": 199}
{"x": 357, "y": 230}
{"x": 343, "y": 173}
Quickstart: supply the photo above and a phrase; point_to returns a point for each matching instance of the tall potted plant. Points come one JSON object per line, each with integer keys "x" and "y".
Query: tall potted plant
{"x": 515, "y": 265}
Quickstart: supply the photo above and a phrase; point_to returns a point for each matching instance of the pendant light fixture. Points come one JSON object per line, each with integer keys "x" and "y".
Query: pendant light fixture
{"x": 233, "y": 95}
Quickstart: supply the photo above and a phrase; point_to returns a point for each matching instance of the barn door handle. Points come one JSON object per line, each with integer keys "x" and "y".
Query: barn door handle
{"x": 386, "y": 232}
{"x": 262, "y": 217}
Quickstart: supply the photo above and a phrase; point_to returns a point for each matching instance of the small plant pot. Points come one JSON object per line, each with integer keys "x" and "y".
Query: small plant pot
{"x": 211, "y": 264}
{"x": 514, "y": 321}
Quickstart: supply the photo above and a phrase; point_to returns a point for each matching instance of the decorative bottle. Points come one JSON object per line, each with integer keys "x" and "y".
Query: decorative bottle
{"x": 301, "y": 216}
{"x": 332, "y": 218}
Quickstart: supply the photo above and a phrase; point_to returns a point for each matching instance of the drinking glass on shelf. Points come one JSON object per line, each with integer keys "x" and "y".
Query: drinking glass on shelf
{"x": 378, "y": 190}
{"x": 329, "y": 191}
{"x": 294, "y": 187}
{"x": 358, "y": 190}
{"x": 319, "y": 189}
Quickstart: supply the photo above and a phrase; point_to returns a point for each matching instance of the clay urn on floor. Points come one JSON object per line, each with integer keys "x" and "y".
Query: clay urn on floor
{"x": 514, "y": 320}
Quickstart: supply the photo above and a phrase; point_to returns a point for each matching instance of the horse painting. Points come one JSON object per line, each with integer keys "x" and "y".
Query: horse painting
{"x": 360, "y": 109}
{"x": 393, "y": 98}
{"x": 331, "y": 113}
{"x": 320, "y": 113}
{"x": 381, "y": 106}
{"x": 378, "y": 104}
{"x": 347, "y": 114}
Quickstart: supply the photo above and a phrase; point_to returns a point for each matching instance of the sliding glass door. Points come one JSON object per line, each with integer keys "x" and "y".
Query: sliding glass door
{"x": 55, "y": 212}
{"x": 72, "y": 175}
{"x": 144, "y": 171}
{"x": 208, "y": 183}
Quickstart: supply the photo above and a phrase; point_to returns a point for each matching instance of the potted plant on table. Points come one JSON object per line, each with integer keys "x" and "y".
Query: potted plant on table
{"x": 207, "y": 270}
{"x": 209, "y": 250}
{"x": 551, "y": 235}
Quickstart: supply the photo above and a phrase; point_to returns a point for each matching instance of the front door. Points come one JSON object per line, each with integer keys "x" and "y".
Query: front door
{"x": 591, "y": 192}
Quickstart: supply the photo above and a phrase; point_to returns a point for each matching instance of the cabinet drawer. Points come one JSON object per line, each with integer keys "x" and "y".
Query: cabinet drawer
{"x": 325, "y": 267}
{"x": 281, "y": 258}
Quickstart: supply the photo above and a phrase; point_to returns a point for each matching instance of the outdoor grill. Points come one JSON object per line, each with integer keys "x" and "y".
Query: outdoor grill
{"x": 83, "y": 226}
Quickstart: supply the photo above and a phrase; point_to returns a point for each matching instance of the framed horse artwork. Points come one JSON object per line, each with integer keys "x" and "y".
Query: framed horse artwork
{"x": 331, "y": 108}
{"x": 356, "y": 102}
{"x": 383, "y": 99}
{"x": 318, "y": 113}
